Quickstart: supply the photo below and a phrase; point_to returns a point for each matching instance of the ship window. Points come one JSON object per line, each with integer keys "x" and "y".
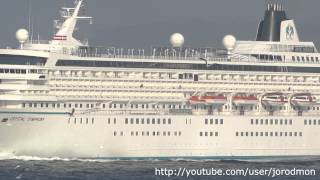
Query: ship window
{"x": 164, "y": 121}
{"x": 201, "y": 134}
{"x": 290, "y": 133}
{"x": 164, "y": 133}
{"x": 148, "y": 133}
{"x": 21, "y": 60}
{"x": 158, "y": 133}
{"x": 114, "y": 121}
{"x": 285, "y": 133}
{"x": 318, "y": 122}
{"x": 153, "y": 121}
{"x": 285, "y": 121}
{"x": 293, "y": 58}
{"x": 300, "y": 133}
{"x": 169, "y": 121}
{"x": 315, "y": 122}
{"x": 275, "y": 133}
{"x": 280, "y": 133}
{"x": 137, "y": 133}
{"x": 142, "y": 121}
{"x": 131, "y": 121}
{"x": 87, "y": 121}
{"x": 310, "y": 122}
{"x": 261, "y": 121}
{"x": 137, "y": 120}
{"x": 271, "y": 121}
{"x": 257, "y": 133}
{"x": 237, "y": 133}
{"x": 295, "y": 133}
{"x": 148, "y": 121}
{"x": 92, "y": 120}
{"x": 266, "y": 133}
{"x": 261, "y": 133}
{"x": 87, "y": 105}
{"x": 114, "y": 133}
{"x": 257, "y": 121}
{"x": 132, "y": 133}
{"x": 211, "y": 121}
{"x": 281, "y": 121}
{"x": 251, "y": 133}
{"x": 103, "y": 106}
{"x": 271, "y": 133}
{"x": 267, "y": 122}
{"x": 242, "y": 133}
{"x": 221, "y": 121}
{"x": 216, "y": 121}
{"x": 206, "y": 121}
{"x": 206, "y": 134}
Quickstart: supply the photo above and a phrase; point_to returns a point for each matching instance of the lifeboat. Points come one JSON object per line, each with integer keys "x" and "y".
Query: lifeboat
{"x": 274, "y": 99}
{"x": 245, "y": 100}
{"x": 215, "y": 100}
{"x": 303, "y": 99}
{"x": 208, "y": 99}
{"x": 196, "y": 100}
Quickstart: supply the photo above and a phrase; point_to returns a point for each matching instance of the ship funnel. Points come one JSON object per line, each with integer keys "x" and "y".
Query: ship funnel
{"x": 276, "y": 26}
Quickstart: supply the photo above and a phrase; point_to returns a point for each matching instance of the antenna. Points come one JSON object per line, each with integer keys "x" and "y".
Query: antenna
{"x": 29, "y": 14}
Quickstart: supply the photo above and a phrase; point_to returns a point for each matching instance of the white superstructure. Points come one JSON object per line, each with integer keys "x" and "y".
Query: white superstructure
{"x": 256, "y": 98}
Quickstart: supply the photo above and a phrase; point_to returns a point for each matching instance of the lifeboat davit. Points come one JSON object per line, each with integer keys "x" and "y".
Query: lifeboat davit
{"x": 274, "y": 99}
{"x": 215, "y": 100}
{"x": 305, "y": 99}
{"x": 245, "y": 100}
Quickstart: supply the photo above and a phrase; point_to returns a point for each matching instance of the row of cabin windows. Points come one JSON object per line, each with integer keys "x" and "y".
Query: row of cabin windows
{"x": 81, "y": 121}
{"x": 13, "y": 71}
{"x": 305, "y": 59}
{"x": 148, "y": 121}
{"x": 269, "y": 134}
{"x": 271, "y": 121}
{"x": 56, "y": 105}
{"x": 311, "y": 122}
{"x": 150, "y": 133}
{"x": 143, "y": 106}
{"x": 213, "y": 121}
{"x": 209, "y": 134}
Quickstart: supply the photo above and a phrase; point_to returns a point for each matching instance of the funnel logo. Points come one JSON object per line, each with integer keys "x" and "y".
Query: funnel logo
{"x": 289, "y": 32}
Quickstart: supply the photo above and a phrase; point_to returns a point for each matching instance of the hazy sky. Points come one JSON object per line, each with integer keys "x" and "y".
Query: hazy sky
{"x": 146, "y": 23}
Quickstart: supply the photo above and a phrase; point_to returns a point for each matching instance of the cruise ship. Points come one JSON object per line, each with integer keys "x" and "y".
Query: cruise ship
{"x": 64, "y": 98}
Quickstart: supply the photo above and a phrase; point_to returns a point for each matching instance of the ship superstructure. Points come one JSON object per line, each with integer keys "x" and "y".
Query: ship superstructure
{"x": 253, "y": 98}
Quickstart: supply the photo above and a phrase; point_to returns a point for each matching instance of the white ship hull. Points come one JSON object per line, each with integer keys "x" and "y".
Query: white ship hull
{"x": 62, "y": 136}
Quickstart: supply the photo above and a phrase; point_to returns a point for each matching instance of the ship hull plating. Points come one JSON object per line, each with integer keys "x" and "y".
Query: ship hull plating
{"x": 165, "y": 136}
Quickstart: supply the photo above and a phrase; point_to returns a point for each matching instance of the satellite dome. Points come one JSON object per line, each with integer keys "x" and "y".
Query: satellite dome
{"x": 229, "y": 42}
{"x": 177, "y": 40}
{"x": 22, "y": 35}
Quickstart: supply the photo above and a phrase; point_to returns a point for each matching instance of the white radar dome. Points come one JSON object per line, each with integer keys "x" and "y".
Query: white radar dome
{"x": 177, "y": 40}
{"x": 229, "y": 42}
{"x": 22, "y": 35}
